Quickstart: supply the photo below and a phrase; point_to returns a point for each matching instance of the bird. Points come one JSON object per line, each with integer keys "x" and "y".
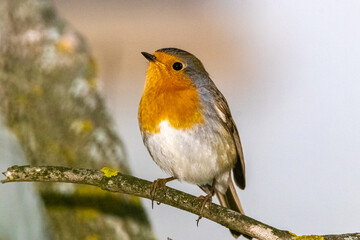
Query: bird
{"x": 188, "y": 129}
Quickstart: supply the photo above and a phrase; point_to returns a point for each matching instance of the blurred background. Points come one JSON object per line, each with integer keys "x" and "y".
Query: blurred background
{"x": 290, "y": 72}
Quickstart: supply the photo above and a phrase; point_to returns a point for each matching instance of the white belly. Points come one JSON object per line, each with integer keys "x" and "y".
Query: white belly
{"x": 197, "y": 156}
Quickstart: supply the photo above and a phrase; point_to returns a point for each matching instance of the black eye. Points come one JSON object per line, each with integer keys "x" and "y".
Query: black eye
{"x": 177, "y": 66}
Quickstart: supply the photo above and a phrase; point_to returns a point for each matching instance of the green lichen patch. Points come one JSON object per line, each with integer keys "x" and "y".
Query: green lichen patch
{"x": 109, "y": 172}
{"x": 308, "y": 237}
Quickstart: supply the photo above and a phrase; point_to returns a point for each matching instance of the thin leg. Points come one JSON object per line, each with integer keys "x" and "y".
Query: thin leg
{"x": 206, "y": 199}
{"x": 160, "y": 182}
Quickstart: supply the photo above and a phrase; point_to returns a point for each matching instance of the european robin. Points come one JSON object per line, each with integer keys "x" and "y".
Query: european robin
{"x": 188, "y": 129}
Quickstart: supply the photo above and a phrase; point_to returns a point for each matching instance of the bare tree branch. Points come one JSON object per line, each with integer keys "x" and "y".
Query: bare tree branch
{"x": 113, "y": 181}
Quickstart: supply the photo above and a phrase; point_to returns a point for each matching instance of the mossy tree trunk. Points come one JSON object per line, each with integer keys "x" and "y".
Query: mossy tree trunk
{"x": 49, "y": 100}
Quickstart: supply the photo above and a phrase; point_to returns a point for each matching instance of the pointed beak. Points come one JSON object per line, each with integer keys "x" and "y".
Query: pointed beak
{"x": 149, "y": 56}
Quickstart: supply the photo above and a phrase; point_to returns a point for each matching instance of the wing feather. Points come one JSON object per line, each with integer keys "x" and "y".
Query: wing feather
{"x": 223, "y": 112}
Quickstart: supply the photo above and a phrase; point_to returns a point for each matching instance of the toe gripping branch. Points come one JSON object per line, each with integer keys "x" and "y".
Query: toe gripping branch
{"x": 206, "y": 199}
{"x": 158, "y": 183}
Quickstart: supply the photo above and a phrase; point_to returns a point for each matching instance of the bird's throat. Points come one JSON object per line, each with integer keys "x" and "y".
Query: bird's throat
{"x": 174, "y": 100}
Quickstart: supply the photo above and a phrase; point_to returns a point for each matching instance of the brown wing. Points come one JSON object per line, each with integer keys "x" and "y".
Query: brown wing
{"x": 225, "y": 115}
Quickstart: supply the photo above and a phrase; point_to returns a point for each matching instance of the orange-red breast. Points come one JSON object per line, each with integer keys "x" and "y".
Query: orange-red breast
{"x": 187, "y": 126}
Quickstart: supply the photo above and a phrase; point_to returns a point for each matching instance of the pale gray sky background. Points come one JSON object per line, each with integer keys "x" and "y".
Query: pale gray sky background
{"x": 290, "y": 72}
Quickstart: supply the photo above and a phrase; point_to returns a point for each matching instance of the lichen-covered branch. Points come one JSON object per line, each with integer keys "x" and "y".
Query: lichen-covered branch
{"x": 113, "y": 181}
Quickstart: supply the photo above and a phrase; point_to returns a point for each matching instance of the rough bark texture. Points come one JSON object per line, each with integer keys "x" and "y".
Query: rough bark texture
{"x": 49, "y": 99}
{"x": 113, "y": 181}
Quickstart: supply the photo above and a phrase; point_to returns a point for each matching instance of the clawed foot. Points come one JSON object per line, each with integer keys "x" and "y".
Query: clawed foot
{"x": 210, "y": 190}
{"x": 160, "y": 182}
{"x": 206, "y": 199}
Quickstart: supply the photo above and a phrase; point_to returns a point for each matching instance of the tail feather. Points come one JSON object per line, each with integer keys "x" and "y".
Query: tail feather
{"x": 231, "y": 200}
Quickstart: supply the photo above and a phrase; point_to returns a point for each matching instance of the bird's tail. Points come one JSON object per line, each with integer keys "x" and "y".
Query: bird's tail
{"x": 231, "y": 200}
